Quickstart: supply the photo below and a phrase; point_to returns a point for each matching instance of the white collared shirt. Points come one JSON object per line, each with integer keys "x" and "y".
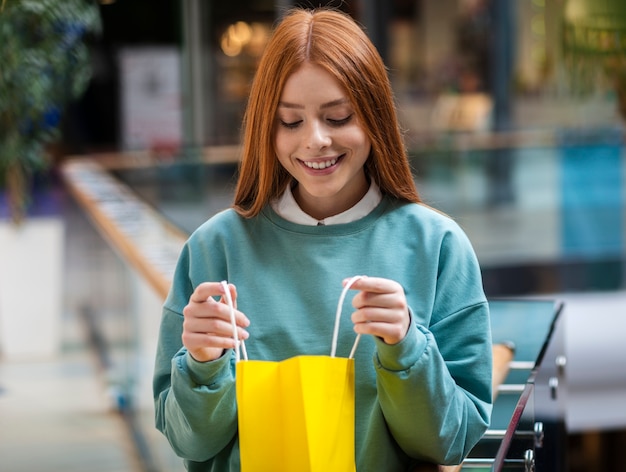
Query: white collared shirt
{"x": 287, "y": 207}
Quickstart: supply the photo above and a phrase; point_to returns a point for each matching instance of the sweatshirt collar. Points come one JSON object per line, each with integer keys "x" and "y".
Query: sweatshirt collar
{"x": 287, "y": 207}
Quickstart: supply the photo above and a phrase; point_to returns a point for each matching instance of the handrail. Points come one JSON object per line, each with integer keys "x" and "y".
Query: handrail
{"x": 134, "y": 229}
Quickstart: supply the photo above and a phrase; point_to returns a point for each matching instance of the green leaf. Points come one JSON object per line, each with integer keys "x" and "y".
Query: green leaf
{"x": 44, "y": 64}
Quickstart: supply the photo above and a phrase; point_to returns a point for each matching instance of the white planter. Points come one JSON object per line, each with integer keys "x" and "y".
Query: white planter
{"x": 31, "y": 283}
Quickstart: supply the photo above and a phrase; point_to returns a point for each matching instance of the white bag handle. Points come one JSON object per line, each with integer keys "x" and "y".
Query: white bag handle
{"x": 238, "y": 343}
{"x": 240, "y": 347}
{"x": 333, "y": 349}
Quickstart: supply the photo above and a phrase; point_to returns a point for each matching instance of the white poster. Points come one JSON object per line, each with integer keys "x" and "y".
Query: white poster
{"x": 151, "y": 115}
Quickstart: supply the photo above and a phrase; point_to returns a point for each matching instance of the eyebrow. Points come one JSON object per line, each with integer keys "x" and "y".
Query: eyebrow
{"x": 332, "y": 103}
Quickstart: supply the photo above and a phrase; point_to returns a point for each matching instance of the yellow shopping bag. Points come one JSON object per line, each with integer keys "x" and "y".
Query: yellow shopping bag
{"x": 297, "y": 414}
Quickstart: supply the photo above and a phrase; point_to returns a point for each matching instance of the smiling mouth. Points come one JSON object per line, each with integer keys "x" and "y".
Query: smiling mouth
{"x": 320, "y": 165}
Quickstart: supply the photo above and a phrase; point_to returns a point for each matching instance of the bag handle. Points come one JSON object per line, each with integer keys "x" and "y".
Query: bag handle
{"x": 333, "y": 349}
{"x": 240, "y": 346}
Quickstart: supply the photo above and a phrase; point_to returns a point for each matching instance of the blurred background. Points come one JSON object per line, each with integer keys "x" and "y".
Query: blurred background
{"x": 513, "y": 112}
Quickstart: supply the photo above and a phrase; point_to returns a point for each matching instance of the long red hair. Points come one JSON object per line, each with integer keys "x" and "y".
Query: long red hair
{"x": 334, "y": 41}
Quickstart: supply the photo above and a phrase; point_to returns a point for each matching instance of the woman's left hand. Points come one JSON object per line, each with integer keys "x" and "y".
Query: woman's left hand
{"x": 381, "y": 309}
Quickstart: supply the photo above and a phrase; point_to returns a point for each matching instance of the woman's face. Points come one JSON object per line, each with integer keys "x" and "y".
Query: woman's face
{"x": 320, "y": 142}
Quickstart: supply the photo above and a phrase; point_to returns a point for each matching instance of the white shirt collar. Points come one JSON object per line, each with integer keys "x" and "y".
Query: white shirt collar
{"x": 287, "y": 207}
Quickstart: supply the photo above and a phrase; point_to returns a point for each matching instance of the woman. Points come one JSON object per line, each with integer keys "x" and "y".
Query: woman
{"x": 325, "y": 192}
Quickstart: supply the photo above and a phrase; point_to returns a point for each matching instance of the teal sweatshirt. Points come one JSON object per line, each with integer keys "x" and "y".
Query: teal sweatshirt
{"x": 426, "y": 398}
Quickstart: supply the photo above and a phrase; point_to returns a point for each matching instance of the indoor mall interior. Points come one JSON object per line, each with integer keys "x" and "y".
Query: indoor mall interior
{"x": 514, "y": 119}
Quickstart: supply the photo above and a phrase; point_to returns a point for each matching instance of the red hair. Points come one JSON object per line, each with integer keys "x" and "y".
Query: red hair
{"x": 334, "y": 41}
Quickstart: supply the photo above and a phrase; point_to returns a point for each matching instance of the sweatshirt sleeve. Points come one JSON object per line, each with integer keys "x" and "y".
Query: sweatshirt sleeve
{"x": 195, "y": 402}
{"x": 434, "y": 386}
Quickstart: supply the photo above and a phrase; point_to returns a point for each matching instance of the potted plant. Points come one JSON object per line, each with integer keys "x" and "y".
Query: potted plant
{"x": 44, "y": 64}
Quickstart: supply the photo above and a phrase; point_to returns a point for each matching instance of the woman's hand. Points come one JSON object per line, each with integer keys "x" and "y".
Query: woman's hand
{"x": 207, "y": 329}
{"x": 381, "y": 309}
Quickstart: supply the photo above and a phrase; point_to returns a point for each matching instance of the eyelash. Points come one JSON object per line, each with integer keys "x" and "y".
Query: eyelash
{"x": 334, "y": 123}
{"x": 341, "y": 122}
{"x": 292, "y": 125}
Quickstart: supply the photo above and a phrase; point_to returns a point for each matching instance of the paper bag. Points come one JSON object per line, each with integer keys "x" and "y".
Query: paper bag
{"x": 297, "y": 414}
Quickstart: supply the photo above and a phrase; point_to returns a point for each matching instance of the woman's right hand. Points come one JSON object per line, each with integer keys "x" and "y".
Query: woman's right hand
{"x": 207, "y": 328}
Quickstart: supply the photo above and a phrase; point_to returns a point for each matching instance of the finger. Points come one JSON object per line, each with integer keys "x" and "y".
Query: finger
{"x": 207, "y": 308}
{"x": 210, "y": 309}
{"x": 374, "y": 284}
{"x": 203, "y": 295}
{"x": 206, "y": 290}
{"x": 195, "y": 341}
{"x": 373, "y": 314}
{"x": 393, "y": 301}
{"x": 389, "y": 324}
{"x": 233, "y": 295}
{"x": 212, "y": 327}
{"x": 390, "y": 333}
{"x": 241, "y": 319}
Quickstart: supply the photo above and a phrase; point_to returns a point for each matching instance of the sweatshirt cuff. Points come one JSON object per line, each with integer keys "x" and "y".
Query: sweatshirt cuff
{"x": 406, "y": 353}
{"x": 204, "y": 373}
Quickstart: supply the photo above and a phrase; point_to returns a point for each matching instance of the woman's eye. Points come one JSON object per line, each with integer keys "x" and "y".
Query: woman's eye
{"x": 341, "y": 121}
{"x": 290, "y": 124}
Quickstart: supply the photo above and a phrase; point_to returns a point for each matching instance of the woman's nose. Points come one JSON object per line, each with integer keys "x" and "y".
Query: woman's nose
{"x": 317, "y": 137}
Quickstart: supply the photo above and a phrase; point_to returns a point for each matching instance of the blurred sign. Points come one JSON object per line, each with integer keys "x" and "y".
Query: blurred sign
{"x": 151, "y": 114}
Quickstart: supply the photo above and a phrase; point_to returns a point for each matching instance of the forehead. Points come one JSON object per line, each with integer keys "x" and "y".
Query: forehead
{"x": 312, "y": 84}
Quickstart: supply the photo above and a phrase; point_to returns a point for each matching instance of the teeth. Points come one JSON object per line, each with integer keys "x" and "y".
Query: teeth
{"x": 320, "y": 165}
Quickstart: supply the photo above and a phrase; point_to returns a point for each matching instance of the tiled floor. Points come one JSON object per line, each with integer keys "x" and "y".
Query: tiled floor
{"x": 56, "y": 416}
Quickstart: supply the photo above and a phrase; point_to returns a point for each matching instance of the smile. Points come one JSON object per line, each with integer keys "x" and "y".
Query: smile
{"x": 319, "y": 165}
